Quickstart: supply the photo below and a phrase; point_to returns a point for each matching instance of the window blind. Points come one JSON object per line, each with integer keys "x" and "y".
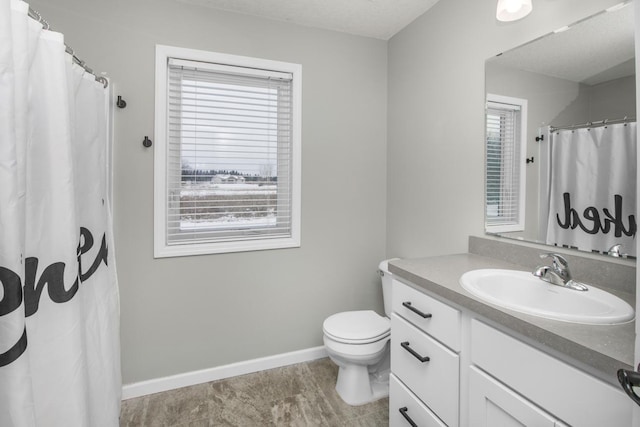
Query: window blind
{"x": 503, "y": 165}
{"x": 229, "y": 153}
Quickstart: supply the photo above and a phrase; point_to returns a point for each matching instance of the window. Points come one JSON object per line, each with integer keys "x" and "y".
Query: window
{"x": 505, "y": 159}
{"x": 227, "y": 153}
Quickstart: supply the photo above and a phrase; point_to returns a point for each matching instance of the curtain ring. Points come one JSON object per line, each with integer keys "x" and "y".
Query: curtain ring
{"x": 102, "y": 80}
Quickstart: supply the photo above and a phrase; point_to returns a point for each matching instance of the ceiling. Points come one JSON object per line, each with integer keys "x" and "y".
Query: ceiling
{"x": 592, "y": 51}
{"x": 380, "y": 19}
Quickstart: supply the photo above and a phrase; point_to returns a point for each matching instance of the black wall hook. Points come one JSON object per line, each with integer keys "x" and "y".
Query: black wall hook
{"x": 540, "y": 138}
{"x": 147, "y": 142}
{"x": 530, "y": 160}
{"x": 121, "y": 103}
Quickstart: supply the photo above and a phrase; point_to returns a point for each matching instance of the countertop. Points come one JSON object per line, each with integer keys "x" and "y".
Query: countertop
{"x": 603, "y": 348}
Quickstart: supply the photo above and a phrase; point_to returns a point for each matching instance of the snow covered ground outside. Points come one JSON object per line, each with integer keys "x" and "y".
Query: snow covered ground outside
{"x": 229, "y": 222}
{"x": 208, "y": 189}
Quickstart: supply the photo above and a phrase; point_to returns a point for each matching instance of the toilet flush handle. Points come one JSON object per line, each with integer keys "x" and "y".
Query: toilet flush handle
{"x": 408, "y": 305}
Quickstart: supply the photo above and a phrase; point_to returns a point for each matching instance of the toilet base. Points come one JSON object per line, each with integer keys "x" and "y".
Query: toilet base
{"x": 356, "y": 386}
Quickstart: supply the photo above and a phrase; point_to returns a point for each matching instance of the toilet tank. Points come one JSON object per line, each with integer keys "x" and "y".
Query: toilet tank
{"x": 386, "y": 277}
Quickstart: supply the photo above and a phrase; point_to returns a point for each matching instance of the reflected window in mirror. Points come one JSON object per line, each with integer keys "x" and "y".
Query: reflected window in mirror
{"x": 505, "y": 151}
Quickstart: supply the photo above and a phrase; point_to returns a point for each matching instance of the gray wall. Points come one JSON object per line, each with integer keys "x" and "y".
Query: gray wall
{"x": 190, "y": 313}
{"x": 613, "y": 99}
{"x": 435, "y": 122}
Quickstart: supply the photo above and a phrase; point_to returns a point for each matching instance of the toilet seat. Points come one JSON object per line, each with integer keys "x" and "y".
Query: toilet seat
{"x": 357, "y": 327}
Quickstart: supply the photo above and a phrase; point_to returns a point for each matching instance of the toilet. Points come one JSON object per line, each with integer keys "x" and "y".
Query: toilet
{"x": 358, "y": 342}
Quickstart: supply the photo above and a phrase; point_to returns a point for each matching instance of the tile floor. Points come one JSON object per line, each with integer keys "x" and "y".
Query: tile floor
{"x": 296, "y": 395}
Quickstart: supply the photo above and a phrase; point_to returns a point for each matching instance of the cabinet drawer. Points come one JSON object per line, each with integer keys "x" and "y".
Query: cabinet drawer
{"x": 566, "y": 392}
{"x": 442, "y": 321}
{"x": 401, "y": 400}
{"x": 434, "y": 381}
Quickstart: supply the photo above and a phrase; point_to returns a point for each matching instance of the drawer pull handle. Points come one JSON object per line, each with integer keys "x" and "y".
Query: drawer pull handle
{"x": 405, "y": 345}
{"x": 628, "y": 380}
{"x": 415, "y": 310}
{"x": 406, "y": 416}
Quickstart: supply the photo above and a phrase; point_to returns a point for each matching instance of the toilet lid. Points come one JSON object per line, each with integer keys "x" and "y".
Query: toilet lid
{"x": 358, "y": 327}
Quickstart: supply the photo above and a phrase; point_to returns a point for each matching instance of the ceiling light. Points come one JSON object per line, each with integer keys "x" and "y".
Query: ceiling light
{"x": 512, "y": 10}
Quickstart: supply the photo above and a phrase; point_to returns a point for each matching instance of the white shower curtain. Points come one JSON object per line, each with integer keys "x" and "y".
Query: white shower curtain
{"x": 59, "y": 307}
{"x": 592, "y": 201}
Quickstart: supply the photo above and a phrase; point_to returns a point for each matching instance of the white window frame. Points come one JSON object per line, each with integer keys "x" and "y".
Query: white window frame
{"x": 161, "y": 246}
{"x": 517, "y": 224}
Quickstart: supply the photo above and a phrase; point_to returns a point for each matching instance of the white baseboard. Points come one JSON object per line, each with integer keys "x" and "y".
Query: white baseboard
{"x": 157, "y": 385}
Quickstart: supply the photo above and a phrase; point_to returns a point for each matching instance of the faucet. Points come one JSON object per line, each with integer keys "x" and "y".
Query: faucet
{"x": 558, "y": 273}
{"x": 614, "y": 250}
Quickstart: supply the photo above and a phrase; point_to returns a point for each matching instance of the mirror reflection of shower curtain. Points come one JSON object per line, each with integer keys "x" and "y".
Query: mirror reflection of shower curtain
{"x": 59, "y": 307}
{"x": 592, "y": 197}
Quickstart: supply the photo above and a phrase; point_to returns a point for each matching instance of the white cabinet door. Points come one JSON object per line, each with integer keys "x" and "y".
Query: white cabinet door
{"x": 491, "y": 404}
{"x": 570, "y": 394}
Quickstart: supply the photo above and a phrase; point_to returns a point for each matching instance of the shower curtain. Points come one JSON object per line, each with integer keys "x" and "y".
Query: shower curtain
{"x": 592, "y": 197}
{"x": 59, "y": 306}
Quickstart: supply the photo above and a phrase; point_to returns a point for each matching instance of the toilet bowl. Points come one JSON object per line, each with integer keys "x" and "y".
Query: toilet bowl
{"x": 358, "y": 342}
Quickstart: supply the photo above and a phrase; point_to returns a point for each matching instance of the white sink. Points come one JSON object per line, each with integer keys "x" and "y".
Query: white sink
{"x": 522, "y": 291}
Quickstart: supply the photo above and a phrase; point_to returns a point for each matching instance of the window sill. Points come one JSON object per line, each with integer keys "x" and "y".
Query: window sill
{"x": 167, "y": 251}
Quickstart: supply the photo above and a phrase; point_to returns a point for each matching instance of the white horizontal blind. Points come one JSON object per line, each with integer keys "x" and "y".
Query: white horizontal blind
{"x": 229, "y": 153}
{"x": 503, "y": 166}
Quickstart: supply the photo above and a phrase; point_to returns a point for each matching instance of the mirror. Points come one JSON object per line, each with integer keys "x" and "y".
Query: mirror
{"x": 582, "y": 73}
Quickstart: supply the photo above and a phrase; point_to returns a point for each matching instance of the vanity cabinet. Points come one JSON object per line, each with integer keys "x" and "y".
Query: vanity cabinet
{"x": 425, "y": 340}
{"x": 451, "y": 367}
{"x": 570, "y": 394}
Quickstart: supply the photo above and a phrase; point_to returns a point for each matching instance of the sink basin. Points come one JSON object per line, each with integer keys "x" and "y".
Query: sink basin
{"x": 523, "y": 292}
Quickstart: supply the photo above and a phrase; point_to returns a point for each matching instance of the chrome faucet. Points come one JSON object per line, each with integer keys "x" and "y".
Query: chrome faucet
{"x": 560, "y": 266}
{"x": 546, "y": 273}
{"x": 558, "y": 273}
{"x": 614, "y": 250}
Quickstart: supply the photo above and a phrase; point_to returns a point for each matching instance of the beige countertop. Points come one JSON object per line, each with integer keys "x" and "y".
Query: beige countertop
{"x": 603, "y": 348}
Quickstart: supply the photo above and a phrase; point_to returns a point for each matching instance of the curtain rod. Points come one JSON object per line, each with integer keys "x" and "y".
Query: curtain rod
{"x": 36, "y": 15}
{"x": 604, "y": 122}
